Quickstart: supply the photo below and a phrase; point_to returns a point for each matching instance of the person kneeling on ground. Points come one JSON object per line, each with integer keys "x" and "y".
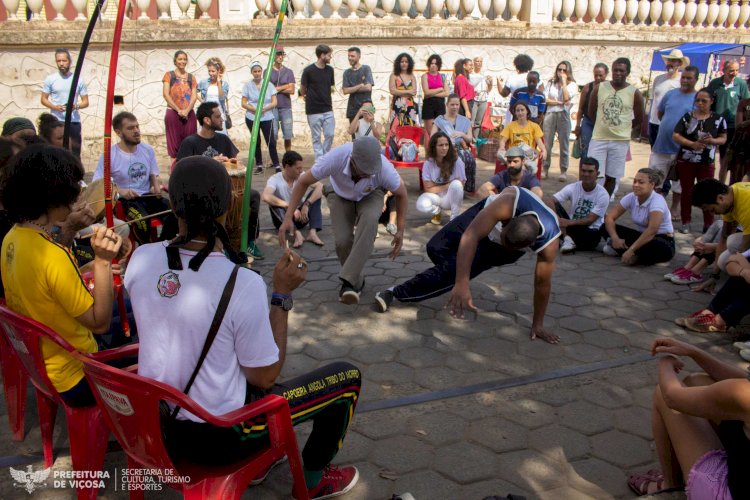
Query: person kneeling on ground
{"x": 653, "y": 239}
{"x": 443, "y": 176}
{"x": 514, "y": 175}
{"x": 703, "y": 256}
{"x": 492, "y": 233}
{"x": 730, "y": 304}
{"x": 700, "y": 427}
{"x": 588, "y": 202}
{"x": 191, "y": 274}
{"x": 278, "y": 192}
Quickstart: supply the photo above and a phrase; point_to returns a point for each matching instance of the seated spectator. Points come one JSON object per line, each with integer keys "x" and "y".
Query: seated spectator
{"x": 18, "y": 128}
{"x": 703, "y": 256}
{"x": 243, "y": 363}
{"x": 41, "y": 278}
{"x": 364, "y": 123}
{"x": 588, "y": 204}
{"x": 389, "y": 216}
{"x": 458, "y": 128}
{"x": 514, "y": 175}
{"x": 698, "y": 425}
{"x": 278, "y": 192}
{"x": 522, "y": 131}
{"x": 533, "y": 97}
{"x": 51, "y": 129}
{"x": 443, "y": 176}
{"x": 652, "y": 240}
{"x": 733, "y": 202}
{"x": 730, "y": 304}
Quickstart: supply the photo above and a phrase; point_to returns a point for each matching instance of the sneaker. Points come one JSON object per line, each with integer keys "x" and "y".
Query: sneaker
{"x": 683, "y": 321}
{"x": 705, "y": 324}
{"x": 264, "y": 474}
{"x": 259, "y": 169}
{"x": 688, "y": 278}
{"x": 608, "y": 250}
{"x": 742, "y": 345}
{"x": 348, "y": 294}
{"x": 676, "y": 272}
{"x": 563, "y": 178}
{"x": 277, "y": 168}
{"x": 336, "y": 481}
{"x": 600, "y": 246}
{"x": 685, "y": 229}
{"x": 254, "y": 250}
{"x": 383, "y": 300}
{"x": 436, "y": 219}
{"x": 391, "y": 229}
{"x": 745, "y": 354}
{"x": 568, "y": 245}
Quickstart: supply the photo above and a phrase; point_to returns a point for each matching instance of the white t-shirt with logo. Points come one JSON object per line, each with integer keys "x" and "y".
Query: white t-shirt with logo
{"x": 174, "y": 310}
{"x": 583, "y": 202}
{"x": 130, "y": 171}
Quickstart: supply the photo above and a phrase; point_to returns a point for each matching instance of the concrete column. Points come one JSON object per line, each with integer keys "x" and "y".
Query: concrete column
{"x": 536, "y": 12}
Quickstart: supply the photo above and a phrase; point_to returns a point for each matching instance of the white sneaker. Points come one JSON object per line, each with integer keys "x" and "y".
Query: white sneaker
{"x": 745, "y": 354}
{"x": 742, "y": 345}
{"x": 568, "y": 245}
{"x": 608, "y": 250}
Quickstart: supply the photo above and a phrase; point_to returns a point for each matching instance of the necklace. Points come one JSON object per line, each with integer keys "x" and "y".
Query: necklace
{"x": 43, "y": 228}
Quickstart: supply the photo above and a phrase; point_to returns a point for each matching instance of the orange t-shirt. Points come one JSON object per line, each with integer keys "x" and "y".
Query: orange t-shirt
{"x": 181, "y": 88}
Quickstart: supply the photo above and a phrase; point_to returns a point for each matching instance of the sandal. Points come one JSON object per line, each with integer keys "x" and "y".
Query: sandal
{"x": 639, "y": 482}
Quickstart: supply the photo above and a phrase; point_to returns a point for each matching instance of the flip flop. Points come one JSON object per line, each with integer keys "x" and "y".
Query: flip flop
{"x": 639, "y": 482}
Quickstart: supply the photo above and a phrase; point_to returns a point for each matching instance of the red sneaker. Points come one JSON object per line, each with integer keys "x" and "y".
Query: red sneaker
{"x": 336, "y": 481}
{"x": 683, "y": 322}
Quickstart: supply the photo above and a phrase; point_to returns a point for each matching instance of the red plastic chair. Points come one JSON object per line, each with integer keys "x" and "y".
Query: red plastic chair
{"x": 131, "y": 409}
{"x": 14, "y": 387}
{"x": 412, "y": 133}
{"x": 87, "y": 432}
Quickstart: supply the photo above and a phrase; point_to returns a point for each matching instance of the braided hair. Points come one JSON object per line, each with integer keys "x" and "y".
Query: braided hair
{"x": 200, "y": 190}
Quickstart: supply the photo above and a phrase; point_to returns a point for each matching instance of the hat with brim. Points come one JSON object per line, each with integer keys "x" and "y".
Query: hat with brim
{"x": 676, "y": 54}
{"x": 366, "y": 155}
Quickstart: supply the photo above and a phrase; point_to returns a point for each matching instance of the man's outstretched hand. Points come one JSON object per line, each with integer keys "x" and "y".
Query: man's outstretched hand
{"x": 539, "y": 332}
{"x": 459, "y": 301}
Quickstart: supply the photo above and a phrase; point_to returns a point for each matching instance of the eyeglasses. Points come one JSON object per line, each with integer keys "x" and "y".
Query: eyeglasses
{"x": 280, "y": 53}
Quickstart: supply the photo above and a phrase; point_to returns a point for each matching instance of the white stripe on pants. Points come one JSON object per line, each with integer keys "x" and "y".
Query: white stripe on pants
{"x": 432, "y": 203}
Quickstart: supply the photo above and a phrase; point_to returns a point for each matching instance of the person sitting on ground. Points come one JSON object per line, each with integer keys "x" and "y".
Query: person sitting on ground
{"x": 703, "y": 256}
{"x": 18, "y": 128}
{"x": 135, "y": 172}
{"x": 494, "y": 232}
{"x": 443, "y": 176}
{"x": 522, "y": 131}
{"x": 588, "y": 204}
{"x": 700, "y": 426}
{"x": 458, "y": 128}
{"x": 51, "y": 129}
{"x": 41, "y": 278}
{"x": 533, "y": 97}
{"x": 364, "y": 123}
{"x": 730, "y": 304}
{"x": 514, "y": 175}
{"x": 247, "y": 356}
{"x": 733, "y": 202}
{"x": 652, "y": 240}
{"x": 207, "y": 142}
{"x": 278, "y": 192}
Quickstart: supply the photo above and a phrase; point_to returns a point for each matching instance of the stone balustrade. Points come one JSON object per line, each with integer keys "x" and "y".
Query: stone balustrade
{"x": 665, "y": 14}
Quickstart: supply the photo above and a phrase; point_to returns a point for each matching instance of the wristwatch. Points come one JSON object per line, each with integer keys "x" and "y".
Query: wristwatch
{"x": 282, "y": 300}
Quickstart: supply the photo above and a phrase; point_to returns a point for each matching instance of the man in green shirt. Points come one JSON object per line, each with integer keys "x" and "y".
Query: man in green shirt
{"x": 728, "y": 91}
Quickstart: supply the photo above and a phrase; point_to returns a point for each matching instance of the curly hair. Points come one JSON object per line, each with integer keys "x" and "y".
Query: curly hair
{"x": 216, "y": 63}
{"x": 449, "y": 161}
{"x": 523, "y": 63}
{"x": 397, "y": 64}
{"x": 437, "y": 59}
{"x": 46, "y": 123}
{"x": 39, "y": 178}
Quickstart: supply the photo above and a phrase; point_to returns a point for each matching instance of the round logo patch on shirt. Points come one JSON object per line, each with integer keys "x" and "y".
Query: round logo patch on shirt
{"x": 169, "y": 284}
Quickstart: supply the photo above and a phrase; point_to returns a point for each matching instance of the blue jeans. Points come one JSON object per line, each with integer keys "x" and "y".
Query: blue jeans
{"x": 325, "y": 123}
{"x": 283, "y": 119}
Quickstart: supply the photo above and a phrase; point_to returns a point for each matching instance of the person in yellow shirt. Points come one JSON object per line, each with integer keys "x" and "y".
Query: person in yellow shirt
{"x": 522, "y": 131}
{"x": 41, "y": 277}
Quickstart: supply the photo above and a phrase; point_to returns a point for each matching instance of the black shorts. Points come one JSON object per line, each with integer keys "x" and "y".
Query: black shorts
{"x": 433, "y": 107}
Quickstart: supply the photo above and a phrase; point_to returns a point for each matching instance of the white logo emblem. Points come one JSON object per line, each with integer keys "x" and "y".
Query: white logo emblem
{"x": 29, "y": 479}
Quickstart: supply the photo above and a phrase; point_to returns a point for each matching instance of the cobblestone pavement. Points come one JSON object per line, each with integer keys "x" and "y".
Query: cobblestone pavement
{"x": 463, "y": 409}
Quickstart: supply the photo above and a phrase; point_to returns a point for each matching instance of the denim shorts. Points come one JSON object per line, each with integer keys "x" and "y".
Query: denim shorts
{"x": 283, "y": 119}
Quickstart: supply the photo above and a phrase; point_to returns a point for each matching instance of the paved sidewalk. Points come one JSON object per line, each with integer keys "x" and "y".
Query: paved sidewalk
{"x": 455, "y": 409}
